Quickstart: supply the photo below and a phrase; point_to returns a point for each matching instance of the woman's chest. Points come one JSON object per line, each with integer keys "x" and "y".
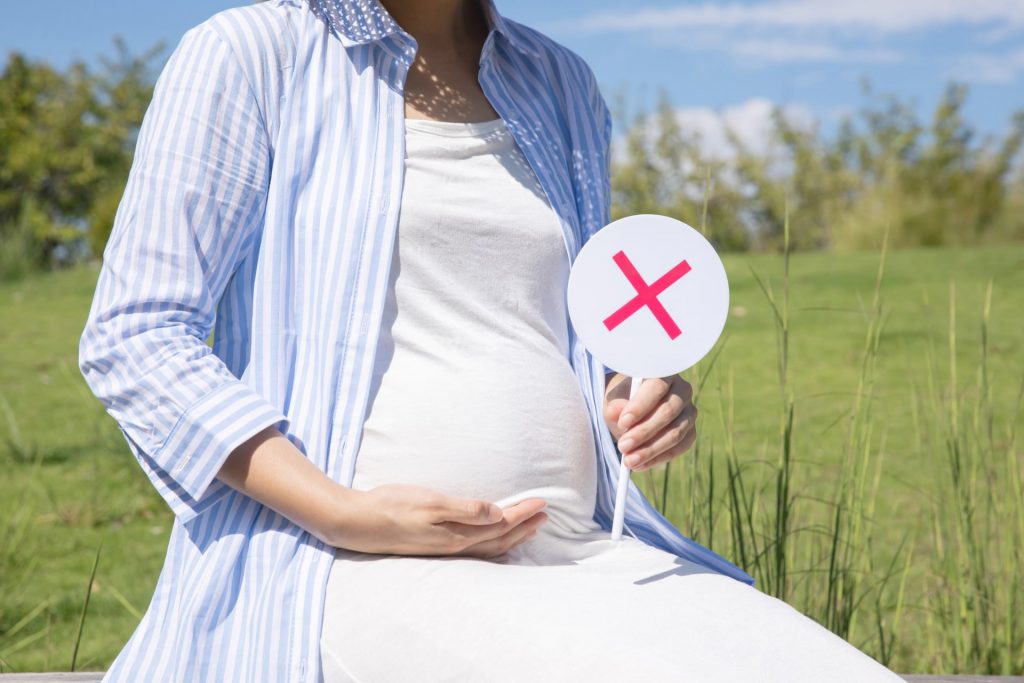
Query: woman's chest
{"x": 339, "y": 152}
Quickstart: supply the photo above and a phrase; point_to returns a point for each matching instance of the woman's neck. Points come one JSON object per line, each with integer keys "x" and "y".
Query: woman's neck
{"x": 437, "y": 22}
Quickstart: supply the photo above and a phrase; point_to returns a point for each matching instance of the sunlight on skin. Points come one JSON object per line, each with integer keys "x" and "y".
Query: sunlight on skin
{"x": 658, "y": 425}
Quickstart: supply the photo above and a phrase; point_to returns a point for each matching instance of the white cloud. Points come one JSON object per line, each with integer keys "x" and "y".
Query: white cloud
{"x": 996, "y": 34}
{"x": 990, "y": 68}
{"x": 793, "y": 51}
{"x": 750, "y": 120}
{"x": 761, "y": 51}
{"x": 877, "y": 15}
{"x": 814, "y": 31}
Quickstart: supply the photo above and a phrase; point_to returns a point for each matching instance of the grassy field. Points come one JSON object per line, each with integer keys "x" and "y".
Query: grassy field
{"x": 70, "y": 483}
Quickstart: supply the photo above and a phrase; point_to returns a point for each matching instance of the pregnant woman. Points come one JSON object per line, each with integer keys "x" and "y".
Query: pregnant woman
{"x": 397, "y": 462}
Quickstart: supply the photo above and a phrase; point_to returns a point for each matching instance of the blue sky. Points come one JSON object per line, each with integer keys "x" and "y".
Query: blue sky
{"x": 713, "y": 58}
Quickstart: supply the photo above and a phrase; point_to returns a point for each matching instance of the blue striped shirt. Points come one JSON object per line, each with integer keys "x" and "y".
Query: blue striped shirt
{"x": 262, "y": 205}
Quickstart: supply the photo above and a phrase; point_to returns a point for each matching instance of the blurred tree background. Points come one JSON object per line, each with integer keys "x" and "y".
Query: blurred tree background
{"x": 67, "y": 138}
{"x": 66, "y": 145}
{"x": 932, "y": 183}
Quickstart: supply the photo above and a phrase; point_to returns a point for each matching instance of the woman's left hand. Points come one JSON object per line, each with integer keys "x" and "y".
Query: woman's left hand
{"x": 657, "y": 425}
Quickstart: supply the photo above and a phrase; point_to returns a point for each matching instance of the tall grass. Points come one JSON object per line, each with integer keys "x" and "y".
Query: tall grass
{"x": 19, "y": 567}
{"x": 942, "y": 595}
{"x": 978, "y": 516}
{"x": 821, "y": 553}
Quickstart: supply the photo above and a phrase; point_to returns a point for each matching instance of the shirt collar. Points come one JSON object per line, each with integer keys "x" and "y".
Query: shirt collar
{"x": 363, "y": 21}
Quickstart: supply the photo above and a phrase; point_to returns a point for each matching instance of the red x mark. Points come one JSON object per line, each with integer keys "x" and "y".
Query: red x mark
{"x": 647, "y": 295}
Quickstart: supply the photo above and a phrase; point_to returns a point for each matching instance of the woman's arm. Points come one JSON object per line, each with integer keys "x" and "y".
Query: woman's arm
{"x": 191, "y": 211}
{"x": 394, "y": 518}
{"x": 269, "y": 468}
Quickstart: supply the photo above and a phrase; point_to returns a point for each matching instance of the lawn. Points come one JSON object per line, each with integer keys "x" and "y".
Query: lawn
{"x": 71, "y": 483}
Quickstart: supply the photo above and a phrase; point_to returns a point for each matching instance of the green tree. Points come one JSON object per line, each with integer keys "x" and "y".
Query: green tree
{"x": 931, "y": 183}
{"x": 662, "y": 168}
{"x": 66, "y": 143}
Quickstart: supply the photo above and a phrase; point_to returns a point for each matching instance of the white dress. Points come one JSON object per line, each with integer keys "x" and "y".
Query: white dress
{"x": 473, "y": 395}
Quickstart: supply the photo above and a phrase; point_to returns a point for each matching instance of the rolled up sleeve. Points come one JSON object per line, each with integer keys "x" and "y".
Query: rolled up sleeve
{"x": 193, "y": 204}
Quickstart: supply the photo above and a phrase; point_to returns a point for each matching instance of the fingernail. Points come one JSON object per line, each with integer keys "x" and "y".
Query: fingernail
{"x": 626, "y": 420}
{"x": 631, "y": 460}
{"x": 626, "y": 444}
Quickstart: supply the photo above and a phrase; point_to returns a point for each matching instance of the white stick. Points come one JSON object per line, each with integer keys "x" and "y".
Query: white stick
{"x": 620, "y": 493}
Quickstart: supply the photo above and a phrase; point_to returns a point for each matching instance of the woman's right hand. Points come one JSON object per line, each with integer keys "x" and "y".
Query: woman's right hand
{"x": 406, "y": 519}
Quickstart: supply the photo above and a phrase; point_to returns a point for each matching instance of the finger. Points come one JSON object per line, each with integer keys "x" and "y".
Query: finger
{"x": 669, "y": 437}
{"x": 494, "y": 547}
{"x": 470, "y": 510}
{"x": 647, "y": 398}
{"x": 463, "y": 536}
{"x": 612, "y": 411}
{"x": 688, "y": 441}
{"x": 618, "y": 387}
{"x": 671, "y": 409}
{"x": 501, "y": 545}
{"x": 616, "y": 397}
{"x": 524, "y": 509}
{"x": 512, "y": 516}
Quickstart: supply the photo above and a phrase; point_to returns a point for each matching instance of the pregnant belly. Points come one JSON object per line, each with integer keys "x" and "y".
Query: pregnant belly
{"x": 492, "y": 428}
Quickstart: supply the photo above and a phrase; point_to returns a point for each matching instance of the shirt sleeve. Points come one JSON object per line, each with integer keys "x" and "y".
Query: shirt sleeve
{"x": 193, "y": 202}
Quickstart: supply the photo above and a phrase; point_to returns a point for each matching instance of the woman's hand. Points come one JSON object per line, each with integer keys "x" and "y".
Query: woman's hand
{"x": 405, "y": 519}
{"x": 657, "y": 425}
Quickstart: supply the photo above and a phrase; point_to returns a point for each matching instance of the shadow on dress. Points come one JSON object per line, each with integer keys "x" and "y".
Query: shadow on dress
{"x": 684, "y": 568}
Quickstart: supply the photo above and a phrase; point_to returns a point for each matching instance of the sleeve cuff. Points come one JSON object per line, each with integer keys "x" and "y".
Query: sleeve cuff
{"x": 210, "y": 429}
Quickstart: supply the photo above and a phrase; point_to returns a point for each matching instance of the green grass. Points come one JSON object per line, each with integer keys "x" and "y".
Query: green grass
{"x": 850, "y": 467}
{"x": 71, "y": 484}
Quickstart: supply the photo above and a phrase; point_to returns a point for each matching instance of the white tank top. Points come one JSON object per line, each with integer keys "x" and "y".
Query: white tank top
{"x": 473, "y": 393}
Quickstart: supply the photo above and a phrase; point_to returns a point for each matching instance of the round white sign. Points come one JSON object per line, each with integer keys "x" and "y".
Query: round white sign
{"x": 648, "y": 296}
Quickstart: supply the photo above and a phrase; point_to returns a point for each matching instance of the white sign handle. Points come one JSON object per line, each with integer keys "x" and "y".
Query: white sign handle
{"x": 623, "y": 486}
